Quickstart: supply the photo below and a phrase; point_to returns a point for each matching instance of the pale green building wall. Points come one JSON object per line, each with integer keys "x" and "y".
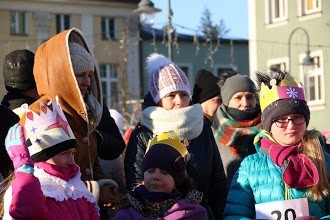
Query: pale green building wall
{"x": 227, "y": 56}
{"x": 272, "y": 42}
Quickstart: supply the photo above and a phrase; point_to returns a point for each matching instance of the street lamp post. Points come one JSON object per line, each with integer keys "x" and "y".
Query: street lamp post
{"x": 146, "y": 10}
{"x": 308, "y": 60}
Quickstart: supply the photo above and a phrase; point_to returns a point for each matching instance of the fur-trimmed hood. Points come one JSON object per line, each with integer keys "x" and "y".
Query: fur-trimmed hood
{"x": 54, "y": 74}
{"x": 56, "y": 80}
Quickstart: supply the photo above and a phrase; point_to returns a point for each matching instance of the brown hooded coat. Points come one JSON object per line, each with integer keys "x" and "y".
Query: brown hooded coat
{"x": 55, "y": 78}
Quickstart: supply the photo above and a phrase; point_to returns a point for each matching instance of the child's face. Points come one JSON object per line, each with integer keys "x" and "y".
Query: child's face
{"x": 63, "y": 159}
{"x": 157, "y": 180}
{"x": 288, "y": 129}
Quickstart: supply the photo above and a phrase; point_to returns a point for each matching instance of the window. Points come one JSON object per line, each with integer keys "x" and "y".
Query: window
{"x": 311, "y": 6}
{"x": 108, "y": 28}
{"x": 220, "y": 71}
{"x": 18, "y": 23}
{"x": 185, "y": 69}
{"x": 110, "y": 84}
{"x": 63, "y": 22}
{"x": 281, "y": 66}
{"x": 279, "y": 63}
{"x": 314, "y": 81}
{"x": 277, "y": 11}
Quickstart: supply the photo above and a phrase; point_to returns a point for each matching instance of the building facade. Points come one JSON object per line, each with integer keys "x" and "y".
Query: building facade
{"x": 192, "y": 53}
{"x": 109, "y": 27}
{"x": 281, "y": 33}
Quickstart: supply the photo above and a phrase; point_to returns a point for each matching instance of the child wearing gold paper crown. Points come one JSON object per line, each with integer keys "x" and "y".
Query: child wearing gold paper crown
{"x": 47, "y": 182}
{"x": 288, "y": 177}
{"x": 166, "y": 192}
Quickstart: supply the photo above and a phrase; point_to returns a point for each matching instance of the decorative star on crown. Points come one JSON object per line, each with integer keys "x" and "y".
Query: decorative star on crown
{"x": 287, "y": 89}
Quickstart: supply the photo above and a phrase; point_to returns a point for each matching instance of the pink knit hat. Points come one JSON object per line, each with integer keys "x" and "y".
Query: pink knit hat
{"x": 165, "y": 77}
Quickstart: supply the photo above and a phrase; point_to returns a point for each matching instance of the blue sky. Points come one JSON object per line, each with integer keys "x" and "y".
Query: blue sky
{"x": 188, "y": 13}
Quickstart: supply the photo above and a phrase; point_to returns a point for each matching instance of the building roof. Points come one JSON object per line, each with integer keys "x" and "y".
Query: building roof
{"x": 149, "y": 33}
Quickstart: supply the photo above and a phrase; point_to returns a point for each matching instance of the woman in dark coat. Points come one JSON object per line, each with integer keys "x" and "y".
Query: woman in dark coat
{"x": 167, "y": 107}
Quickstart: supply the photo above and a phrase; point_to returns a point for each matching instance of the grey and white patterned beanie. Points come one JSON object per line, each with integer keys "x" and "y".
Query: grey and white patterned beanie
{"x": 165, "y": 77}
{"x": 80, "y": 58}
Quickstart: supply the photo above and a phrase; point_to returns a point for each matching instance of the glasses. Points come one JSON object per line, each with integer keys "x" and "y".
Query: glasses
{"x": 283, "y": 122}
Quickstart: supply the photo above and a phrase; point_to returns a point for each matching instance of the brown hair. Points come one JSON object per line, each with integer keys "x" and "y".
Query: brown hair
{"x": 4, "y": 185}
{"x": 312, "y": 147}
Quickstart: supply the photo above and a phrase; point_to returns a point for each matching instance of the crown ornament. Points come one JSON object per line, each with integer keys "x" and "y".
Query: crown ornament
{"x": 287, "y": 89}
{"x": 46, "y": 129}
{"x": 172, "y": 139}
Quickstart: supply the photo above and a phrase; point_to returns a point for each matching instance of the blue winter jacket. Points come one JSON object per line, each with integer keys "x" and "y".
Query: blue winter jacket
{"x": 259, "y": 180}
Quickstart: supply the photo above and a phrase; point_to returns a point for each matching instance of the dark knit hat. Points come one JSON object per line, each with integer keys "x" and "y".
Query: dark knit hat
{"x": 18, "y": 71}
{"x": 235, "y": 84}
{"x": 166, "y": 152}
{"x": 205, "y": 87}
{"x": 283, "y": 107}
{"x": 286, "y": 98}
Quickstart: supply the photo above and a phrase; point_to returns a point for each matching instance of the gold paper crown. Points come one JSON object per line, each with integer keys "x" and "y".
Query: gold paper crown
{"x": 171, "y": 139}
{"x": 288, "y": 89}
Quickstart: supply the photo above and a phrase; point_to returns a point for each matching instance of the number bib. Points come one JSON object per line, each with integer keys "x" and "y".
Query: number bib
{"x": 282, "y": 210}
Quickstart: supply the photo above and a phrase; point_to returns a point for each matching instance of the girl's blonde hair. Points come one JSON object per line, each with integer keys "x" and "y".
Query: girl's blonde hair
{"x": 4, "y": 185}
{"x": 312, "y": 147}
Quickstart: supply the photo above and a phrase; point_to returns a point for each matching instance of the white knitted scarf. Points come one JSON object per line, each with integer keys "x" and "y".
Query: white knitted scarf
{"x": 60, "y": 190}
{"x": 187, "y": 122}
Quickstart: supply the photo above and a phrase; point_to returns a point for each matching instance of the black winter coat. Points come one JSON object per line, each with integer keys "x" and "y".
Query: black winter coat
{"x": 7, "y": 118}
{"x": 205, "y": 166}
{"x": 110, "y": 142}
{"x": 14, "y": 100}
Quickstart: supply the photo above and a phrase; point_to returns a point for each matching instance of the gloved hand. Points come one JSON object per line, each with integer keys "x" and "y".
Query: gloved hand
{"x": 109, "y": 193}
{"x": 110, "y": 196}
{"x": 17, "y": 151}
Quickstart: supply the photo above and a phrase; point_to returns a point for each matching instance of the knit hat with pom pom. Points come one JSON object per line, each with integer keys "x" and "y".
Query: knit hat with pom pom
{"x": 165, "y": 77}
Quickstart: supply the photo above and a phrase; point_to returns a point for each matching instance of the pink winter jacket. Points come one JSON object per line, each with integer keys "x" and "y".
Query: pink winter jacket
{"x": 26, "y": 200}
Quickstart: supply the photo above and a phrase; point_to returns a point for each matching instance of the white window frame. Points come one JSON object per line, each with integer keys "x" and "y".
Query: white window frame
{"x": 270, "y": 9}
{"x": 108, "y": 80}
{"x": 62, "y": 22}
{"x": 106, "y": 35}
{"x": 17, "y": 24}
{"x": 318, "y": 71}
{"x": 315, "y": 8}
{"x": 283, "y": 62}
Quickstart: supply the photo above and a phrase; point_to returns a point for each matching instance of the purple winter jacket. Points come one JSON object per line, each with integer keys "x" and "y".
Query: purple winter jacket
{"x": 182, "y": 209}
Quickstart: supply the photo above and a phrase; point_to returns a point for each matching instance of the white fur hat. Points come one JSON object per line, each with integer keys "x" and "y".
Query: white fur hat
{"x": 119, "y": 119}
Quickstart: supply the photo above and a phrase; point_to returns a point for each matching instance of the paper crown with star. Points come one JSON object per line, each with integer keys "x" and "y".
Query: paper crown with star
{"x": 287, "y": 89}
{"x": 48, "y": 133}
{"x": 172, "y": 139}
